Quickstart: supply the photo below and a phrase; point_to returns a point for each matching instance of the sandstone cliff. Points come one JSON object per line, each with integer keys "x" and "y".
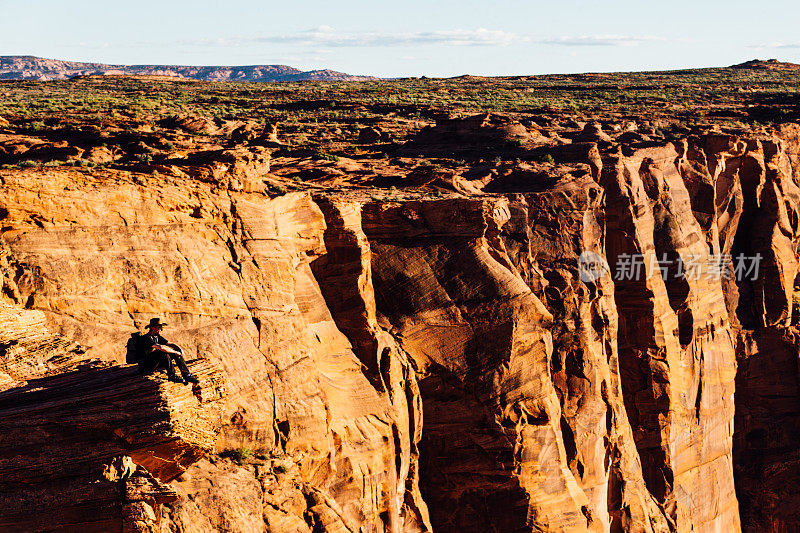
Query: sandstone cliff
{"x": 408, "y": 363}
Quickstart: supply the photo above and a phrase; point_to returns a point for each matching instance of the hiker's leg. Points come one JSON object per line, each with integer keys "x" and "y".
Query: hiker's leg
{"x": 185, "y": 372}
{"x": 170, "y": 365}
{"x": 181, "y": 364}
{"x": 152, "y": 362}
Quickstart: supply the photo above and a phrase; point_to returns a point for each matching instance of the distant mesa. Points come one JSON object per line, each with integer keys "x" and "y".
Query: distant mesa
{"x": 769, "y": 64}
{"x": 37, "y": 68}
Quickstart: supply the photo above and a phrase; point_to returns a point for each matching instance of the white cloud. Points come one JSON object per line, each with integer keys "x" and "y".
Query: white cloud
{"x": 601, "y": 40}
{"x": 328, "y": 37}
{"x": 776, "y": 45}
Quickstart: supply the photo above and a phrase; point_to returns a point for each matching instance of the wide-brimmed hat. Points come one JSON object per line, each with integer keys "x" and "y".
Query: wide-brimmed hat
{"x": 154, "y": 322}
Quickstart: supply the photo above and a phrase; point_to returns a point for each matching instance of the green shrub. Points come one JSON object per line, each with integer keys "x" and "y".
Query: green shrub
{"x": 239, "y": 455}
{"x": 326, "y": 156}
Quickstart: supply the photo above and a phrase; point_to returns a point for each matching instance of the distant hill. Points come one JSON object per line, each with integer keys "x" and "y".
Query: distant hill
{"x": 769, "y": 64}
{"x": 37, "y": 68}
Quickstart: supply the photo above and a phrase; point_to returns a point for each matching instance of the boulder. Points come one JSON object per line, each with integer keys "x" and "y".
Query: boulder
{"x": 99, "y": 155}
{"x": 369, "y": 135}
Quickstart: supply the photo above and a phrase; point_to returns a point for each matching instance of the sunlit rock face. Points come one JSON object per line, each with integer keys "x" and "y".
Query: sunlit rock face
{"x": 401, "y": 364}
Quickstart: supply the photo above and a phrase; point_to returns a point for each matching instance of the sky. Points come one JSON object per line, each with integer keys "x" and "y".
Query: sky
{"x": 408, "y": 38}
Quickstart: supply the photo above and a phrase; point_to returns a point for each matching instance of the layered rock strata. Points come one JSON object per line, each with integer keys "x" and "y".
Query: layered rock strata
{"x": 92, "y": 448}
{"x": 231, "y": 273}
{"x": 416, "y": 365}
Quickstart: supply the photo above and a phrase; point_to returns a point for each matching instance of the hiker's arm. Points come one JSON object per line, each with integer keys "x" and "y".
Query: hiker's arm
{"x": 164, "y": 348}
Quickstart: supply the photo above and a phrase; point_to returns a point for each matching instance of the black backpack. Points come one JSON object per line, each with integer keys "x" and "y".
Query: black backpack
{"x": 133, "y": 348}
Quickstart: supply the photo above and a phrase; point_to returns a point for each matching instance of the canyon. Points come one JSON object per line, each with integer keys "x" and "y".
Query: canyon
{"x": 399, "y": 343}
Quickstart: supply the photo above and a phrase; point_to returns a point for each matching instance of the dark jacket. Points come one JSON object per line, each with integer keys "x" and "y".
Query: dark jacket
{"x": 140, "y": 346}
{"x": 147, "y": 341}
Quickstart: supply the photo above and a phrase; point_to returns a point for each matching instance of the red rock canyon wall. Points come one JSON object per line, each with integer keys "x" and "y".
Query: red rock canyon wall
{"x": 409, "y": 365}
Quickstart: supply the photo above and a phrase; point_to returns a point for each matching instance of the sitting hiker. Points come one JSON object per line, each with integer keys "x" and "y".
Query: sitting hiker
{"x": 155, "y": 353}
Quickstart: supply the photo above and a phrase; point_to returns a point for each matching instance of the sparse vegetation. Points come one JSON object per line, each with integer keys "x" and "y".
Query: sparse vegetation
{"x": 326, "y": 156}
{"x": 125, "y": 122}
{"x": 687, "y": 92}
{"x": 240, "y": 455}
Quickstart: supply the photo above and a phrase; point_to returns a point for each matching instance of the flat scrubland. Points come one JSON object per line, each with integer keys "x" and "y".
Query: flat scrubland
{"x": 368, "y": 133}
